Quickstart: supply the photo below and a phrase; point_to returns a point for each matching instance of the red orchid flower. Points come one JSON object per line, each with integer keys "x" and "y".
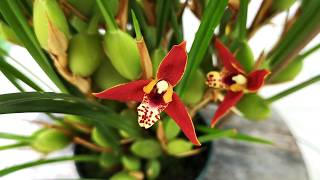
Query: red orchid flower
{"x": 156, "y": 95}
{"x": 234, "y": 79}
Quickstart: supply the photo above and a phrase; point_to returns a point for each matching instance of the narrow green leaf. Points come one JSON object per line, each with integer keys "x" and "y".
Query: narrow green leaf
{"x": 62, "y": 103}
{"x": 213, "y": 134}
{"x": 162, "y": 12}
{"x": 242, "y": 20}
{"x": 302, "y": 31}
{"x": 293, "y": 89}
{"x": 107, "y": 15}
{"x": 14, "y": 17}
{"x": 217, "y": 135}
{"x": 252, "y": 139}
{"x": 13, "y": 80}
{"x": 136, "y": 26}
{"x": 209, "y": 22}
{"x": 13, "y": 72}
{"x": 17, "y": 137}
{"x": 176, "y": 27}
{"x": 11, "y": 146}
{"x": 80, "y": 158}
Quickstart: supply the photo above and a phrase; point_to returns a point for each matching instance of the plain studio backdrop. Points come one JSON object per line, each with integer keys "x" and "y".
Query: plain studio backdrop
{"x": 300, "y": 110}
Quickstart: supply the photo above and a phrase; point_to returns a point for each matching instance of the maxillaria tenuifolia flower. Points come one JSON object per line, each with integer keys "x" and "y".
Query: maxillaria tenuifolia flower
{"x": 85, "y": 54}
{"x": 157, "y": 95}
{"x": 123, "y": 53}
{"x": 49, "y": 24}
{"x": 234, "y": 79}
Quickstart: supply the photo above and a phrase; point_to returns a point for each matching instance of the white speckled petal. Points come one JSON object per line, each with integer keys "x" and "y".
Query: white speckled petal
{"x": 148, "y": 112}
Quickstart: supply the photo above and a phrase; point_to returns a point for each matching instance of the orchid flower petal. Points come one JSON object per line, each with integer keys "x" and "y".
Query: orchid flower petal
{"x": 178, "y": 112}
{"x": 229, "y": 100}
{"x": 174, "y": 64}
{"x": 227, "y": 58}
{"x": 149, "y": 112}
{"x": 132, "y": 91}
{"x": 256, "y": 79}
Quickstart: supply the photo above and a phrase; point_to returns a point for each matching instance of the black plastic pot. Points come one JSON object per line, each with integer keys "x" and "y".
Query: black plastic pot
{"x": 189, "y": 168}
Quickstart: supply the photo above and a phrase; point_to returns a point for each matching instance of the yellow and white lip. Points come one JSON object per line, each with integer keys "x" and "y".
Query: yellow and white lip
{"x": 240, "y": 83}
{"x": 162, "y": 86}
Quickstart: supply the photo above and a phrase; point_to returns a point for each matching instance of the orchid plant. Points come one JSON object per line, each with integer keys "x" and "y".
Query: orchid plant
{"x": 128, "y": 94}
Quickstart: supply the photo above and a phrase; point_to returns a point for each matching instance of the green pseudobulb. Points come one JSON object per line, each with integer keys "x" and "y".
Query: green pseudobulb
{"x": 254, "y": 107}
{"x": 290, "y": 72}
{"x": 194, "y": 91}
{"x": 179, "y": 146}
{"x": 153, "y": 168}
{"x": 85, "y": 54}
{"x": 123, "y": 53}
{"x": 49, "y": 140}
{"x": 106, "y": 76}
{"x": 138, "y": 148}
{"x": 48, "y": 13}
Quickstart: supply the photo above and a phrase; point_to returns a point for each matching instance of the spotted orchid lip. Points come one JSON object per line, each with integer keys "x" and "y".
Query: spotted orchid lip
{"x": 170, "y": 70}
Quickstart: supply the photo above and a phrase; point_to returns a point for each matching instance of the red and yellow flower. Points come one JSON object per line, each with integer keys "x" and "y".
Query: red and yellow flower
{"x": 157, "y": 95}
{"x": 234, "y": 79}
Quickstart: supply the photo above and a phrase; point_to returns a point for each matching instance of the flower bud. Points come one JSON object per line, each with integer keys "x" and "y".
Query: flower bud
{"x": 281, "y": 5}
{"x": 245, "y": 56}
{"x": 49, "y": 22}
{"x": 290, "y": 72}
{"x": 8, "y": 34}
{"x": 108, "y": 160}
{"x": 122, "y": 50}
{"x": 106, "y": 76}
{"x": 177, "y": 147}
{"x": 85, "y": 54}
{"x": 156, "y": 58}
{"x": 194, "y": 91}
{"x": 49, "y": 140}
{"x": 254, "y": 107}
{"x": 98, "y": 138}
{"x": 131, "y": 163}
{"x": 153, "y": 168}
{"x": 122, "y": 176}
{"x": 146, "y": 148}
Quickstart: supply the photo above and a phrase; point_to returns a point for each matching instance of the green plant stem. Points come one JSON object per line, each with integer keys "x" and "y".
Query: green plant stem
{"x": 111, "y": 23}
{"x": 15, "y": 137}
{"x": 310, "y": 51}
{"x": 293, "y": 89}
{"x": 11, "y": 146}
{"x": 82, "y": 158}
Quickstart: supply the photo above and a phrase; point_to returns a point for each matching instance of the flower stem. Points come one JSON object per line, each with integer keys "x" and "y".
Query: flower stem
{"x": 293, "y": 89}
